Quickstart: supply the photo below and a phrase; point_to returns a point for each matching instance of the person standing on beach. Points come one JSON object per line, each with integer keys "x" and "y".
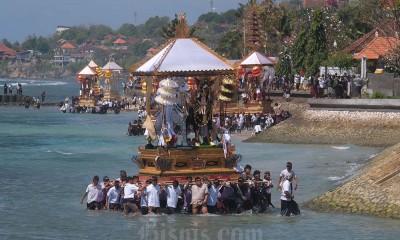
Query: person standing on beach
{"x": 43, "y": 95}
{"x": 285, "y": 173}
{"x": 92, "y": 193}
{"x": 5, "y": 89}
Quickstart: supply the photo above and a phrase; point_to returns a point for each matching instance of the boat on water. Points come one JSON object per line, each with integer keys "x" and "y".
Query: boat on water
{"x": 189, "y": 85}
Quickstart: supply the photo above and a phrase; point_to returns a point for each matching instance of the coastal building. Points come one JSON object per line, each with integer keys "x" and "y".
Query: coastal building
{"x": 151, "y": 52}
{"x": 62, "y": 55}
{"x": 60, "y": 29}
{"x": 6, "y": 52}
{"x": 24, "y": 56}
{"x": 120, "y": 44}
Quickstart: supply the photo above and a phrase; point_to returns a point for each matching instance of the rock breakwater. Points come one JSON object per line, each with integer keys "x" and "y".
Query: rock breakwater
{"x": 373, "y": 191}
{"x": 363, "y": 128}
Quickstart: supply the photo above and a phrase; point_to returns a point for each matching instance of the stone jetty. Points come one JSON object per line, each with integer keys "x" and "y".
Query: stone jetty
{"x": 363, "y": 128}
{"x": 373, "y": 191}
{"x": 14, "y": 99}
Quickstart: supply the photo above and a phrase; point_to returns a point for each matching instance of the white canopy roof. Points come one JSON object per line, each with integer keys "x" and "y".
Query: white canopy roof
{"x": 184, "y": 55}
{"x": 87, "y": 71}
{"x": 111, "y": 65}
{"x": 92, "y": 64}
{"x": 257, "y": 58}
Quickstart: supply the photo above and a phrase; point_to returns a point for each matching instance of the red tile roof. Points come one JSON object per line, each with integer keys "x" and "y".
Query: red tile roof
{"x": 7, "y": 51}
{"x": 119, "y": 41}
{"x": 378, "y": 47}
{"x": 152, "y": 50}
{"x": 385, "y": 29}
{"x": 68, "y": 46}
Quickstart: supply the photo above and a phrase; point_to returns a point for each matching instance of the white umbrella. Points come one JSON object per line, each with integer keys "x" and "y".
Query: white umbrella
{"x": 164, "y": 92}
{"x": 168, "y": 83}
{"x": 165, "y": 100}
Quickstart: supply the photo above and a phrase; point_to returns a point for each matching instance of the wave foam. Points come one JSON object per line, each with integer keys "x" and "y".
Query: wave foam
{"x": 64, "y": 153}
{"x": 336, "y": 178}
{"x": 341, "y": 147}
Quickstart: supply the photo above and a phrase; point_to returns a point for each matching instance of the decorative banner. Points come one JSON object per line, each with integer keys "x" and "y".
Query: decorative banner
{"x": 256, "y": 71}
{"x": 80, "y": 79}
{"x": 99, "y": 72}
{"x": 241, "y": 72}
{"x": 108, "y": 74}
{"x": 191, "y": 82}
{"x": 144, "y": 86}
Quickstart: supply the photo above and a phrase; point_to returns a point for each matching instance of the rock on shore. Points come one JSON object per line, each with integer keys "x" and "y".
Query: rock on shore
{"x": 374, "y": 129}
{"x": 373, "y": 191}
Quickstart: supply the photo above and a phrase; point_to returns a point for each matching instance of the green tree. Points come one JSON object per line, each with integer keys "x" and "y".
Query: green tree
{"x": 42, "y": 45}
{"x": 299, "y": 52}
{"x": 341, "y": 60}
{"x": 210, "y": 17}
{"x": 140, "y": 49}
{"x": 231, "y": 45}
{"x": 29, "y": 43}
{"x": 316, "y": 48}
{"x": 276, "y": 25}
{"x": 169, "y": 30}
{"x": 284, "y": 65}
{"x": 128, "y": 30}
{"x": 153, "y": 27}
{"x": 6, "y": 42}
{"x": 99, "y": 31}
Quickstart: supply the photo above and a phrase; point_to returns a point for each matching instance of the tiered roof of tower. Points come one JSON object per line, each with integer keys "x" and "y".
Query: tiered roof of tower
{"x": 252, "y": 28}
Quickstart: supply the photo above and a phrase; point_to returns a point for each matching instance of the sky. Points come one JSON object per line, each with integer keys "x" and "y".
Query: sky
{"x": 21, "y": 18}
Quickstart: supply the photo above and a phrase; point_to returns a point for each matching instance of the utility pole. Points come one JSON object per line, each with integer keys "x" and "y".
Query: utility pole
{"x": 135, "y": 16}
{"x": 212, "y": 6}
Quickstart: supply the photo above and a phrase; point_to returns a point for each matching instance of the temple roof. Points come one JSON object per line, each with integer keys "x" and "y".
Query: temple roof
{"x": 87, "y": 71}
{"x": 378, "y": 47}
{"x": 68, "y": 46}
{"x": 119, "y": 41}
{"x": 257, "y": 58}
{"x": 184, "y": 56}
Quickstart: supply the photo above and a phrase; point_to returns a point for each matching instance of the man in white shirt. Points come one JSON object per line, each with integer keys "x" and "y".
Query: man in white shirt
{"x": 153, "y": 196}
{"x": 173, "y": 194}
{"x": 113, "y": 195}
{"x": 92, "y": 193}
{"x": 288, "y": 205}
{"x": 287, "y": 194}
{"x": 130, "y": 190}
{"x": 286, "y": 173}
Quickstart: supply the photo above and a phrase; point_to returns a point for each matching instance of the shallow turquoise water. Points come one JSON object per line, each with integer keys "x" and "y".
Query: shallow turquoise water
{"x": 48, "y": 158}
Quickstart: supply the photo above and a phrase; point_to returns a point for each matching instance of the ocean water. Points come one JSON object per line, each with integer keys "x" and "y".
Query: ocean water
{"x": 47, "y": 159}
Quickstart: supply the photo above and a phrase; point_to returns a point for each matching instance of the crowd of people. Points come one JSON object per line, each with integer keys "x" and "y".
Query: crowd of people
{"x": 250, "y": 193}
{"x": 320, "y": 86}
{"x": 135, "y": 128}
{"x": 333, "y": 86}
{"x": 101, "y": 107}
{"x": 256, "y": 122}
{"x": 8, "y": 89}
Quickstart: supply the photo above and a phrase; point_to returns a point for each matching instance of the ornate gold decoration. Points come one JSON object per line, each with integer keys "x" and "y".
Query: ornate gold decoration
{"x": 182, "y": 28}
{"x": 197, "y": 163}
